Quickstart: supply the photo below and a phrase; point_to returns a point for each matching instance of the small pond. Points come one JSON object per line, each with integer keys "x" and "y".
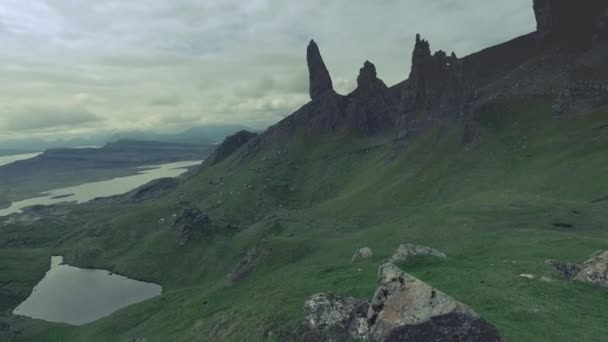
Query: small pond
{"x": 77, "y": 296}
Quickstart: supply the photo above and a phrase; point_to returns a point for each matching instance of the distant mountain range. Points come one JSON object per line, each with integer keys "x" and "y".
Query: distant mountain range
{"x": 199, "y": 135}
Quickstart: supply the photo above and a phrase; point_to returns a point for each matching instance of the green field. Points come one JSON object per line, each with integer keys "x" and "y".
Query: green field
{"x": 497, "y": 208}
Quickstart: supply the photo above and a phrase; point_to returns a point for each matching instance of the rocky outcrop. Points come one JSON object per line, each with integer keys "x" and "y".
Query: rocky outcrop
{"x": 336, "y": 318}
{"x": 245, "y": 265}
{"x": 574, "y": 22}
{"x": 320, "y": 80}
{"x": 362, "y": 253}
{"x": 593, "y": 271}
{"x": 407, "y": 251}
{"x": 403, "y": 309}
{"x": 230, "y": 145}
{"x": 188, "y": 223}
{"x": 568, "y": 270}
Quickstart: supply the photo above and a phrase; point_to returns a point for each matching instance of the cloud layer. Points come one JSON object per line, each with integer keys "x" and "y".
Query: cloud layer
{"x": 76, "y": 67}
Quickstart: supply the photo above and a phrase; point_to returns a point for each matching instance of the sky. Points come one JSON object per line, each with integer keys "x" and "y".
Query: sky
{"x": 72, "y": 68}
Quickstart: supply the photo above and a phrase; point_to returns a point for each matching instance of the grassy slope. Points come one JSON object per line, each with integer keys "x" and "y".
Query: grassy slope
{"x": 491, "y": 208}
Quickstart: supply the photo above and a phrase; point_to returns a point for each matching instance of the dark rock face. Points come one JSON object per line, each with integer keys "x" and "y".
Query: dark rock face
{"x": 403, "y": 309}
{"x": 320, "y": 80}
{"x": 188, "y": 223}
{"x": 230, "y": 145}
{"x": 577, "y": 22}
{"x": 245, "y": 265}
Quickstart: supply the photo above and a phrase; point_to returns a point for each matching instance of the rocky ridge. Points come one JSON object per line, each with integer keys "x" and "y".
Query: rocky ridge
{"x": 558, "y": 61}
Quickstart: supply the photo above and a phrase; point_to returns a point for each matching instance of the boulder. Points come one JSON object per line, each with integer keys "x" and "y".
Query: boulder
{"x": 245, "y": 265}
{"x": 407, "y": 251}
{"x": 337, "y": 318}
{"x": 595, "y": 270}
{"x": 188, "y": 223}
{"x": 320, "y": 80}
{"x": 568, "y": 270}
{"x": 403, "y": 309}
{"x": 406, "y": 309}
{"x": 362, "y": 253}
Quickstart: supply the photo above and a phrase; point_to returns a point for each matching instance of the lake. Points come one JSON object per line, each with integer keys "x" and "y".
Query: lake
{"x": 77, "y": 296}
{"x": 5, "y": 160}
{"x": 88, "y": 191}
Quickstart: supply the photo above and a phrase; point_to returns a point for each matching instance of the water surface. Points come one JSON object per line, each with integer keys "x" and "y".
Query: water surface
{"x": 88, "y": 191}
{"x": 76, "y": 296}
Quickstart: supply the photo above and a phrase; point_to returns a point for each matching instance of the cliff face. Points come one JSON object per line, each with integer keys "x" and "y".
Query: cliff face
{"x": 560, "y": 60}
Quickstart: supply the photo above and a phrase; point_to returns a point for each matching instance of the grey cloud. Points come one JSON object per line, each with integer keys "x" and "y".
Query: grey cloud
{"x": 157, "y": 63}
{"x": 44, "y": 119}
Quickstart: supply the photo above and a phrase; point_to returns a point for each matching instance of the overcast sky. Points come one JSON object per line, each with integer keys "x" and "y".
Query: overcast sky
{"x": 74, "y": 67}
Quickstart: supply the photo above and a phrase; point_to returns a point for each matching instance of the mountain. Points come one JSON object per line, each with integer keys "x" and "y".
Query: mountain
{"x": 497, "y": 159}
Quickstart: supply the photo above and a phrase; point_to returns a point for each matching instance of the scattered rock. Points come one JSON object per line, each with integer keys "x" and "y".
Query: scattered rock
{"x": 336, "y": 317}
{"x": 595, "y": 270}
{"x": 138, "y": 339}
{"x": 406, "y": 251}
{"x": 320, "y": 80}
{"x": 188, "y": 223}
{"x": 362, "y": 253}
{"x": 403, "y": 309}
{"x": 568, "y": 270}
{"x": 245, "y": 266}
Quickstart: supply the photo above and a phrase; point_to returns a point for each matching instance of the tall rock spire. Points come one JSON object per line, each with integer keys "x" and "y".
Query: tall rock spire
{"x": 320, "y": 80}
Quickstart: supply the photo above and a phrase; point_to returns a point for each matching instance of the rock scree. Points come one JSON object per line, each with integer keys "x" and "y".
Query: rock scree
{"x": 188, "y": 223}
{"x": 407, "y": 251}
{"x": 403, "y": 308}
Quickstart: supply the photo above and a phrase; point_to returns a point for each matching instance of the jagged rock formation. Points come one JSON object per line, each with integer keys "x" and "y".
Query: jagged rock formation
{"x": 403, "y": 309}
{"x": 562, "y": 61}
{"x": 320, "y": 81}
{"x": 407, "y": 251}
{"x": 188, "y": 223}
{"x": 593, "y": 271}
{"x": 230, "y": 145}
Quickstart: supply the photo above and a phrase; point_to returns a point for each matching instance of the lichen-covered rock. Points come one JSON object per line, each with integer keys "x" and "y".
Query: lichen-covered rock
{"x": 188, "y": 223}
{"x": 337, "y": 318}
{"x": 568, "y": 270}
{"x": 595, "y": 270}
{"x": 320, "y": 80}
{"x": 362, "y": 253}
{"x": 245, "y": 265}
{"x": 406, "y": 309}
{"x": 407, "y": 251}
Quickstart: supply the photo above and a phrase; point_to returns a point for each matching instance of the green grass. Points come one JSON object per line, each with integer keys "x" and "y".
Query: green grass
{"x": 311, "y": 204}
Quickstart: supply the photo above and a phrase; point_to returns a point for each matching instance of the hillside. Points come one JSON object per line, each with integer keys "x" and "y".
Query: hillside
{"x": 497, "y": 159}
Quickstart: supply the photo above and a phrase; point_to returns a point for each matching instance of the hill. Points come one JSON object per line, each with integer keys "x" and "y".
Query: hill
{"x": 498, "y": 159}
